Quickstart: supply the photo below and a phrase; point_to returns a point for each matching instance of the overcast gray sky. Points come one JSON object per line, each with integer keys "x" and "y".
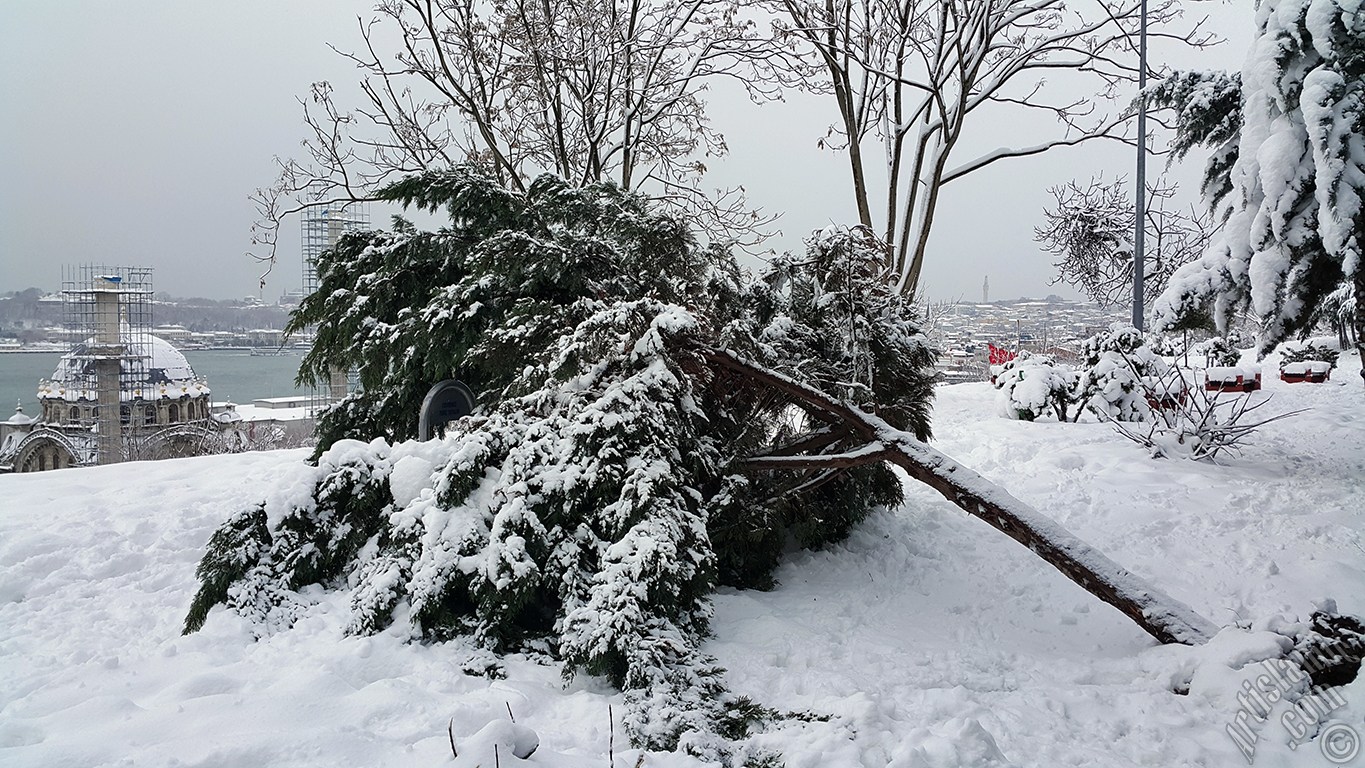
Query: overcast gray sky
{"x": 133, "y": 132}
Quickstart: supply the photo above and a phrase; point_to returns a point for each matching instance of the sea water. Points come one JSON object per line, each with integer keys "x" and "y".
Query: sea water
{"x": 235, "y": 375}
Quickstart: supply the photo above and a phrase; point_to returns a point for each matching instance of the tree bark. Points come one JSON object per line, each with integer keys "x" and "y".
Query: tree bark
{"x": 1359, "y": 325}
{"x": 1164, "y": 618}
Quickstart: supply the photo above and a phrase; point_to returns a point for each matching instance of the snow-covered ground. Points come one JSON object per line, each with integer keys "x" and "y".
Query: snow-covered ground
{"x": 927, "y": 639}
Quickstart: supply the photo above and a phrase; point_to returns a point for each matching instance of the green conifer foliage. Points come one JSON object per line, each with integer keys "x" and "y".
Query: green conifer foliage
{"x": 599, "y": 493}
{"x": 1286, "y": 176}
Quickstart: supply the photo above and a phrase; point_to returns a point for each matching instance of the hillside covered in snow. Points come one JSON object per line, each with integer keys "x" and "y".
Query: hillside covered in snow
{"x": 926, "y": 639}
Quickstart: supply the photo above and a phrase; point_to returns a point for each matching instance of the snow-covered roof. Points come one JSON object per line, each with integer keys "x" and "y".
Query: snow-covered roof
{"x": 19, "y": 418}
{"x": 255, "y": 413}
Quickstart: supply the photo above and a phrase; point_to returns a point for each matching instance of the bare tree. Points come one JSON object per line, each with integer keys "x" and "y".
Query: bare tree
{"x": 910, "y": 76}
{"x": 1090, "y": 231}
{"x": 591, "y": 90}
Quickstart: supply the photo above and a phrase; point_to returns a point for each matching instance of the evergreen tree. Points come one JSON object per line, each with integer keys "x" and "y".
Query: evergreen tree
{"x": 1118, "y": 365}
{"x": 1291, "y": 190}
{"x": 599, "y": 493}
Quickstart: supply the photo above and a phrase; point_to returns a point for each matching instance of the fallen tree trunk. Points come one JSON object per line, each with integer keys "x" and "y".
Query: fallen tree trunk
{"x": 1161, "y": 616}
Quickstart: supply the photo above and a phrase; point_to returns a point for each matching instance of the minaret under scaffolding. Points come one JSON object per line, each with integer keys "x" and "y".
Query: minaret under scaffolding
{"x": 109, "y": 320}
{"x": 324, "y": 223}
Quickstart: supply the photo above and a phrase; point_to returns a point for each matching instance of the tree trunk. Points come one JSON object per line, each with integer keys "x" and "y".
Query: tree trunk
{"x": 1161, "y": 616}
{"x": 1360, "y": 317}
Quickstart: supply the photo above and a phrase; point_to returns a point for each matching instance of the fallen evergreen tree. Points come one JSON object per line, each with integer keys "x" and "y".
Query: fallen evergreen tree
{"x": 653, "y": 425}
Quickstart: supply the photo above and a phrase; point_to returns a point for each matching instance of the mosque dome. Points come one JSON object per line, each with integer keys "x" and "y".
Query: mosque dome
{"x": 20, "y": 419}
{"x": 161, "y": 361}
{"x": 150, "y": 367}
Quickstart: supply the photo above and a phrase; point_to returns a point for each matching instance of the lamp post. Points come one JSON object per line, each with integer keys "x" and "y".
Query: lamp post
{"x": 1140, "y": 208}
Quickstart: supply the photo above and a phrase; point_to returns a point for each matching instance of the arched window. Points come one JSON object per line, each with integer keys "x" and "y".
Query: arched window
{"x": 174, "y": 413}
{"x": 75, "y": 413}
{"x": 42, "y": 460}
{"x": 125, "y": 415}
{"x": 149, "y": 415}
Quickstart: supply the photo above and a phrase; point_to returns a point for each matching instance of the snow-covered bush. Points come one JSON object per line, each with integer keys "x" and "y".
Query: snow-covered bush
{"x": 1164, "y": 345}
{"x": 1117, "y": 364}
{"x": 1032, "y": 386}
{"x": 856, "y": 338}
{"x": 1306, "y": 351}
{"x": 828, "y": 318}
{"x": 1218, "y": 352}
{"x": 599, "y": 493}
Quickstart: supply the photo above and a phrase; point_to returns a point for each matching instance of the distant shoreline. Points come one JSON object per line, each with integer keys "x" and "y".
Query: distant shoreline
{"x": 63, "y": 349}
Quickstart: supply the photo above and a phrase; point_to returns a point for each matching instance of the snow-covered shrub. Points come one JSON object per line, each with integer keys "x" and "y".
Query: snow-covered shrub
{"x": 263, "y": 554}
{"x": 858, "y": 340}
{"x": 1117, "y": 364}
{"x": 1193, "y": 422}
{"x": 1164, "y": 345}
{"x": 1306, "y": 351}
{"x": 828, "y": 318}
{"x": 1218, "y": 353}
{"x": 599, "y": 493}
{"x": 1241, "y": 334}
{"x": 1032, "y": 386}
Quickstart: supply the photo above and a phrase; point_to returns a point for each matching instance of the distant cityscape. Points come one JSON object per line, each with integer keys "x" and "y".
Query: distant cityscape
{"x": 32, "y": 320}
{"x": 964, "y": 331}
{"x": 1034, "y": 324}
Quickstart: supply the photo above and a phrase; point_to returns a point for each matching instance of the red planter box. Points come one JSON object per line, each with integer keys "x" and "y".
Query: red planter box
{"x": 1311, "y": 372}
{"x": 1233, "y": 379}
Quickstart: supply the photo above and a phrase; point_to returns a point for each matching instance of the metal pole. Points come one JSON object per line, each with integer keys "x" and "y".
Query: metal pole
{"x": 1140, "y": 209}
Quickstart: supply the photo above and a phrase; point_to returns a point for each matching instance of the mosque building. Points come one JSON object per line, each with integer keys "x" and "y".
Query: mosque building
{"x": 120, "y": 393}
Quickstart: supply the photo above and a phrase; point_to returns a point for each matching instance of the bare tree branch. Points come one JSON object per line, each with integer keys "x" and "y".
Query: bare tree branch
{"x": 1090, "y": 231}
{"x": 907, "y": 76}
{"x": 590, "y": 90}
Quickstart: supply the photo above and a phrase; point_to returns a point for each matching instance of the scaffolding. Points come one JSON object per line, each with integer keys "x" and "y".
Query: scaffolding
{"x": 323, "y": 225}
{"x": 108, "y": 319}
